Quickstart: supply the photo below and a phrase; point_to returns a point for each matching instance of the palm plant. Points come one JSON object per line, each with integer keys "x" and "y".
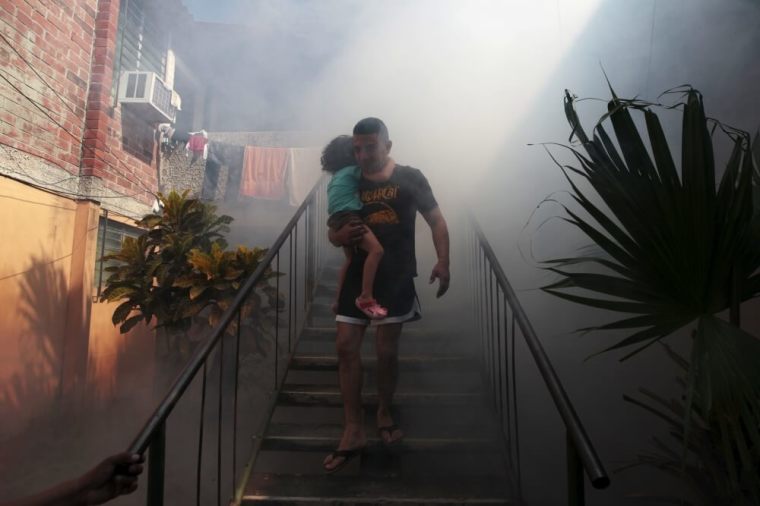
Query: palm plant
{"x": 178, "y": 273}
{"x": 699, "y": 460}
{"x": 674, "y": 250}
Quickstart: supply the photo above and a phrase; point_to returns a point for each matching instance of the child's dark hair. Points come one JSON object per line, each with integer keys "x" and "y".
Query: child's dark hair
{"x": 338, "y": 153}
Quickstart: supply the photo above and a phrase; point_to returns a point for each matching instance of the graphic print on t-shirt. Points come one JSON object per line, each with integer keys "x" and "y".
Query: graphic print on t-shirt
{"x": 376, "y": 209}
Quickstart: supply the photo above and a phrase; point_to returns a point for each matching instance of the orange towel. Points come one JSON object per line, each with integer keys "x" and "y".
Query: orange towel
{"x": 264, "y": 172}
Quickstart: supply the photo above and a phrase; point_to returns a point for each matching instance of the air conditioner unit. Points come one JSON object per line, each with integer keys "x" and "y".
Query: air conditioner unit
{"x": 147, "y": 94}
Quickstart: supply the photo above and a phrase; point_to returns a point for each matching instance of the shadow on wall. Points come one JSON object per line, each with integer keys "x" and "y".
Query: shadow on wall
{"x": 35, "y": 384}
{"x": 41, "y": 318}
{"x": 119, "y": 366}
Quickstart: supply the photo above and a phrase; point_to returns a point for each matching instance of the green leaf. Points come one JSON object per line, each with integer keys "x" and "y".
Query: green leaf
{"x": 121, "y": 312}
{"x": 129, "y": 324}
{"x": 197, "y": 291}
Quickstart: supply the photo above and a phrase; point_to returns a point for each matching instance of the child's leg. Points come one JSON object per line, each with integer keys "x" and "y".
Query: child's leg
{"x": 374, "y": 250}
{"x": 348, "y": 252}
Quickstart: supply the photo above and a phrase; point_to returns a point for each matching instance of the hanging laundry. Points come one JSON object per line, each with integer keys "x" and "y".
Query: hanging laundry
{"x": 264, "y": 172}
{"x": 176, "y": 101}
{"x": 165, "y": 133}
{"x": 211, "y": 176}
{"x": 198, "y": 145}
{"x": 232, "y": 157}
{"x": 303, "y": 173}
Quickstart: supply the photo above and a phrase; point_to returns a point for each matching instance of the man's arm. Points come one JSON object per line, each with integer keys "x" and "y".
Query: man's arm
{"x": 348, "y": 235}
{"x": 440, "y": 230}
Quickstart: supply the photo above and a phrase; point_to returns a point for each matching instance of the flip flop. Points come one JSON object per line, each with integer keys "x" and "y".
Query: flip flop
{"x": 347, "y": 456}
{"x": 371, "y": 309}
{"x": 390, "y": 429}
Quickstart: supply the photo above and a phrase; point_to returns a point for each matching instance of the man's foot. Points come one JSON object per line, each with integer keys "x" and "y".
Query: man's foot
{"x": 387, "y": 431}
{"x": 351, "y": 444}
{"x": 390, "y": 435}
{"x": 338, "y": 459}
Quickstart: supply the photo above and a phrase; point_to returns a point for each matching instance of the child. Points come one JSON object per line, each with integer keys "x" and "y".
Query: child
{"x": 343, "y": 207}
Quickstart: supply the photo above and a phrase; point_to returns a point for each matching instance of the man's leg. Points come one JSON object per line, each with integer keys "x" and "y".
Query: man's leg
{"x": 387, "y": 377}
{"x": 348, "y": 343}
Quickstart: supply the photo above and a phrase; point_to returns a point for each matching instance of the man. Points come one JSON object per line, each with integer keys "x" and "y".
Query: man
{"x": 392, "y": 194}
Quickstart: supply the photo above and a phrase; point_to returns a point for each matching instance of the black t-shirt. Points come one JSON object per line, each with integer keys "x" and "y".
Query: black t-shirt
{"x": 390, "y": 210}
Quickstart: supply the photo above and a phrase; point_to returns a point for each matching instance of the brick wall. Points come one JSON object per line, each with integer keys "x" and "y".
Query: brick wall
{"x": 119, "y": 146}
{"x": 73, "y": 124}
{"x": 56, "y": 38}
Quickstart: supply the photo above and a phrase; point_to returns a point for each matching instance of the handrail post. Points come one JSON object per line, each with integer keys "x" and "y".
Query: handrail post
{"x": 156, "y": 459}
{"x": 575, "y": 491}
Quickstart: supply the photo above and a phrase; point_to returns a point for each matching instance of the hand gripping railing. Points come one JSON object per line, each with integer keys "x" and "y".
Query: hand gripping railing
{"x": 497, "y": 310}
{"x": 300, "y": 270}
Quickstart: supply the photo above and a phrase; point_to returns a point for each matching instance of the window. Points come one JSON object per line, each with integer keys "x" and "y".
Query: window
{"x": 110, "y": 236}
{"x": 141, "y": 43}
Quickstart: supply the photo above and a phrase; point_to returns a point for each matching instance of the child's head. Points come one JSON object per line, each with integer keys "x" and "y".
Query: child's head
{"x": 338, "y": 153}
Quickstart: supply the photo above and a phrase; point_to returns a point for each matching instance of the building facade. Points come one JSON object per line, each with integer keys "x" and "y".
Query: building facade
{"x": 84, "y": 86}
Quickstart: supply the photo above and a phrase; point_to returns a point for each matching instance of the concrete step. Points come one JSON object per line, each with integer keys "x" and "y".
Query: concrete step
{"x": 439, "y": 420}
{"x": 408, "y": 345}
{"x": 344, "y": 488}
{"x": 428, "y": 363}
{"x": 377, "y": 461}
{"x": 329, "y": 395}
{"x": 466, "y": 380}
{"x": 436, "y": 438}
{"x": 326, "y": 333}
{"x": 326, "y": 443}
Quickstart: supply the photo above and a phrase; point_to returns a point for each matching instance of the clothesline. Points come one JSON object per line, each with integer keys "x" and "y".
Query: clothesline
{"x": 257, "y": 172}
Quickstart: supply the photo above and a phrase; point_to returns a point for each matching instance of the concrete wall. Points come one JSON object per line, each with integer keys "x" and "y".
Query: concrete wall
{"x": 34, "y": 280}
{"x": 59, "y": 349}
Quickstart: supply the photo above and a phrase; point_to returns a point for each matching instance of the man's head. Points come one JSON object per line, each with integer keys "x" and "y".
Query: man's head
{"x": 371, "y": 144}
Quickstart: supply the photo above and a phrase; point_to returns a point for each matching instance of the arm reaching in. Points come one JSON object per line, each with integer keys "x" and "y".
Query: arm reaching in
{"x": 440, "y": 230}
{"x": 115, "y": 476}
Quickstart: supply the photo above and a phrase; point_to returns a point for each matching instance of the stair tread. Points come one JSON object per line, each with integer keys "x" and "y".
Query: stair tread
{"x": 407, "y": 346}
{"x": 401, "y": 392}
{"x": 324, "y": 395}
{"x": 330, "y": 361}
{"x": 453, "y": 429}
{"x": 354, "y": 489}
{"x": 313, "y": 442}
{"x": 409, "y": 415}
{"x": 377, "y": 461}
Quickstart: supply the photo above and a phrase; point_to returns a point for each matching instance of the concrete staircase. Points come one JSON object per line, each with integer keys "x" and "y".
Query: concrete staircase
{"x": 451, "y": 453}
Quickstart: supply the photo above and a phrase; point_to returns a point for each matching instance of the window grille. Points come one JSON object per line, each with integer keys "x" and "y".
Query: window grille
{"x": 141, "y": 43}
{"x": 110, "y": 236}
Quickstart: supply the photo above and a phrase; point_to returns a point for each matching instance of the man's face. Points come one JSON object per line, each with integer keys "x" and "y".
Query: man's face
{"x": 371, "y": 152}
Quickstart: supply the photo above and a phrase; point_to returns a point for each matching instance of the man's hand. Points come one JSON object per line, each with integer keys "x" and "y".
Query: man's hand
{"x": 348, "y": 235}
{"x": 441, "y": 272}
{"x": 116, "y": 475}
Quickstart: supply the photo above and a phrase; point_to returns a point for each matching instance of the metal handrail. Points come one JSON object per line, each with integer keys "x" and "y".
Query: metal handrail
{"x": 579, "y": 444}
{"x": 152, "y": 434}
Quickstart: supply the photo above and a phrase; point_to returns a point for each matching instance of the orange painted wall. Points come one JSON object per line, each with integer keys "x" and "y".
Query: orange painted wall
{"x": 36, "y": 248}
{"x": 35, "y": 260}
{"x": 119, "y": 365}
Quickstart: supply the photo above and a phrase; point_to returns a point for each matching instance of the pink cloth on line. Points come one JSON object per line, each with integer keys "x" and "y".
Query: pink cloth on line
{"x": 197, "y": 143}
{"x": 264, "y": 172}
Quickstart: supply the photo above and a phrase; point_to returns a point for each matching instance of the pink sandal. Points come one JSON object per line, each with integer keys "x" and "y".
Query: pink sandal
{"x": 372, "y": 309}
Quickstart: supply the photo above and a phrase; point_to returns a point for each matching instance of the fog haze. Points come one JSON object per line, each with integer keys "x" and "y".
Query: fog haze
{"x": 464, "y": 87}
